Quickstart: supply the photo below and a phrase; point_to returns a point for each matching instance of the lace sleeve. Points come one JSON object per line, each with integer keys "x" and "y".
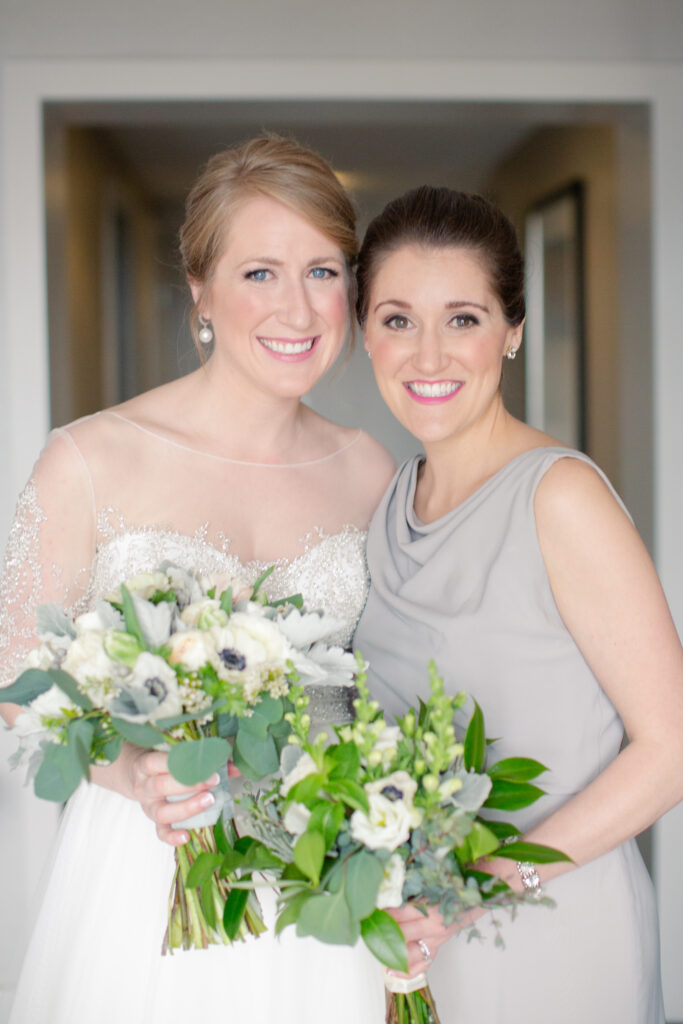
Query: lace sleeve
{"x": 49, "y": 551}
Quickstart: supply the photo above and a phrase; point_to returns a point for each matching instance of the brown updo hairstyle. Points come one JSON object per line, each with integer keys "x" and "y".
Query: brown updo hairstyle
{"x": 272, "y": 166}
{"x": 440, "y": 218}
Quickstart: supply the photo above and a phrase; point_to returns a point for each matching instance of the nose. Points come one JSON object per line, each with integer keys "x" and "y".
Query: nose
{"x": 296, "y": 309}
{"x": 430, "y": 357}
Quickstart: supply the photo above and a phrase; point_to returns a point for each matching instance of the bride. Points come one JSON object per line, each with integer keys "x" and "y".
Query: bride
{"x": 222, "y": 471}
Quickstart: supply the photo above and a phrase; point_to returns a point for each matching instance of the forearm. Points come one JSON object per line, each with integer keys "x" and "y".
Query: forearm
{"x": 637, "y": 788}
{"x": 9, "y": 712}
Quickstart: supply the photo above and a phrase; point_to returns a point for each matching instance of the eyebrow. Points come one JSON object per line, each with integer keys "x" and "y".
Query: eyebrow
{"x": 273, "y": 262}
{"x": 456, "y": 304}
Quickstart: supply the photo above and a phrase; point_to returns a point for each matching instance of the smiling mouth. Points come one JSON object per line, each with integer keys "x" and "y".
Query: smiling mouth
{"x": 432, "y": 389}
{"x": 288, "y": 348}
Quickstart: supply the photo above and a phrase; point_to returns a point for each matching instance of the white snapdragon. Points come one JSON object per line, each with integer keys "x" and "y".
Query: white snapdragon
{"x": 296, "y": 818}
{"x": 390, "y": 892}
{"x": 387, "y": 825}
{"x": 303, "y": 767}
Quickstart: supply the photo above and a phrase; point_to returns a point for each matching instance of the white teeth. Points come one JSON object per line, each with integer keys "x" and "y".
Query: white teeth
{"x": 288, "y": 348}
{"x": 436, "y": 390}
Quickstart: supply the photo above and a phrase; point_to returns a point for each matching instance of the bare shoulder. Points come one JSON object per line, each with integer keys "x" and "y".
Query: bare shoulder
{"x": 571, "y": 493}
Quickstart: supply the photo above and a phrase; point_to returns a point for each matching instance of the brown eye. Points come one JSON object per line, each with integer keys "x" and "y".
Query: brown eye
{"x": 398, "y": 322}
{"x": 464, "y": 320}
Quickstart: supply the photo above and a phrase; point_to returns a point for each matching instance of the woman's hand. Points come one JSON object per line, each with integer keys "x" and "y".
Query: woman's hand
{"x": 430, "y": 930}
{"x": 143, "y": 776}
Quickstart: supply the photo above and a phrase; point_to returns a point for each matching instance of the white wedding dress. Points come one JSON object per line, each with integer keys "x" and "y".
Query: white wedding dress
{"x": 109, "y": 499}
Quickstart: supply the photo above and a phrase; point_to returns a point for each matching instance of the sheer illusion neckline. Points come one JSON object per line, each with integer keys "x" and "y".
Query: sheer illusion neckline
{"x": 225, "y": 458}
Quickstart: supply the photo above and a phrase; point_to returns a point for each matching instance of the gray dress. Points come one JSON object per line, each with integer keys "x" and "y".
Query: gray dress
{"x": 471, "y": 591}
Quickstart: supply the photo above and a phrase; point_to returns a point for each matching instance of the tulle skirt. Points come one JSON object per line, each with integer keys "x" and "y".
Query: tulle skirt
{"x": 95, "y": 954}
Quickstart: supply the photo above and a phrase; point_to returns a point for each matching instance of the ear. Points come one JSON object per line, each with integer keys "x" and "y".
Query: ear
{"x": 514, "y": 337}
{"x": 197, "y": 289}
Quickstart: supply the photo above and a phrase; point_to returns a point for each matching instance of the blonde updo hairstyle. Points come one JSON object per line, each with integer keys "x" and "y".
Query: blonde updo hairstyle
{"x": 272, "y": 166}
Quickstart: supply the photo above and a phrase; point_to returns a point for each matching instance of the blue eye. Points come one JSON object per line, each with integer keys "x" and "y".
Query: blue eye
{"x": 257, "y": 275}
{"x": 322, "y": 273}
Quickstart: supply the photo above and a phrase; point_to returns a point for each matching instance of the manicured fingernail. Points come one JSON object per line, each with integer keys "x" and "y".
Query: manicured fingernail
{"x": 214, "y": 780}
{"x": 206, "y": 799}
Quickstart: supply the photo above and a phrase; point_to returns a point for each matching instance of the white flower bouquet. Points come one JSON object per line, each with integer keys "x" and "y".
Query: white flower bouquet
{"x": 169, "y": 661}
{"x": 386, "y": 815}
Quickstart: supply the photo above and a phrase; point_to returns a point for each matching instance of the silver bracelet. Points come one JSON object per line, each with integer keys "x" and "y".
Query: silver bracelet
{"x": 531, "y": 883}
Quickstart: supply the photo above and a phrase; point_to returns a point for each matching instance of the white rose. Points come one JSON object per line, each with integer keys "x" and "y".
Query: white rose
{"x": 193, "y": 649}
{"x": 387, "y": 825}
{"x": 90, "y": 621}
{"x": 296, "y": 819}
{"x": 40, "y": 657}
{"x": 303, "y": 767}
{"x": 390, "y": 893}
{"x": 92, "y": 668}
{"x": 258, "y": 639}
{"x": 52, "y": 704}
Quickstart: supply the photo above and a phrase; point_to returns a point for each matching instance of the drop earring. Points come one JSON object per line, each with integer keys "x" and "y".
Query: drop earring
{"x": 511, "y": 353}
{"x": 205, "y": 331}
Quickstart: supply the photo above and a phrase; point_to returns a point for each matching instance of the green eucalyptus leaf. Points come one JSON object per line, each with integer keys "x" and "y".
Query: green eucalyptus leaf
{"x": 233, "y": 912}
{"x": 59, "y": 774}
{"x": 516, "y": 769}
{"x": 254, "y": 756}
{"x": 327, "y": 917}
{"x": 142, "y": 735}
{"x": 290, "y": 912}
{"x": 27, "y": 687}
{"x": 309, "y": 855}
{"x": 80, "y": 734}
{"x": 533, "y": 852}
{"x": 475, "y": 741}
{"x": 385, "y": 940}
{"x": 68, "y": 685}
{"x": 193, "y": 761}
{"x": 364, "y": 873}
{"x": 512, "y": 796}
{"x": 269, "y": 708}
{"x": 203, "y": 868}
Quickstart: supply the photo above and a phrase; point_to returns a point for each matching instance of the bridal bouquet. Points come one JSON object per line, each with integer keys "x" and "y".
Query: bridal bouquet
{"x": 170, "y": 661}
{"x": 387, "y": 815}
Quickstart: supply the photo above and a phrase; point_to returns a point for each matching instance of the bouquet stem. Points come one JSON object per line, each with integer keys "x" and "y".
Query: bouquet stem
{"x": 410, "y": 1001}
{"x": 195, "y": 914}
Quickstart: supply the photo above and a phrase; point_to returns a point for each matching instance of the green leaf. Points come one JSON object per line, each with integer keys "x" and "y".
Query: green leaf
{"x": 27, "y": 687}
{"x": 481, "y": 841}
{"x": 309, "y": 854}
{"x": 193, "y": 761}
{"x": 364, "y": 873}
{"x": 352, "y": 793}
{"x": 475, "y": 741}
{"x": 203, "y": 868}
{"x": 290, "y": 912}
{"x": 80, "y": 734}
{"x": 516, "y": 769}
{"x": 174, "y": 720}
{"x": 502, "y": 830}
{"x": 130, "y": 618}
{"x": 262, "y": 578}
{"x": 344, "y": 761}
{"x": 255, "y": 757}
{"x": 259, "y": 858}
{"x": 307, "y": 789}
{"x": 294, "y": 599}
{"x": 142, "y": 735}
{"x": 68, "y": 685}
{"x": 207, "y": 897}
{"x": 222, "y": 841}
{"x": 233, "y": 912}
{"x": 110, "y": 748}
{"x": 226, "y": 601}
{"x": 512, "y": 796}
{"x": 327, "y": 917}
{"x": 59, "y": 774}
{"x": 385, "y": 940}
{"x": 326, "y": 818}
{"x": 533, "y": 852}
{"x": 268, "y": 708}
{"x": 227, "y": 725}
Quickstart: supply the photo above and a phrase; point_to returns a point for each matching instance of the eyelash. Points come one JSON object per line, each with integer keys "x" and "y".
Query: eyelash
{"x": 467, "y": 321}
{"x": 328, "y": 274}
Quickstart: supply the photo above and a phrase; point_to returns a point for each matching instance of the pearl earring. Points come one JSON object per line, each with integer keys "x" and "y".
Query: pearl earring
{"x": 511, "y": 353}
{"x": 369, "y": 353}
{"x": 205, "y": 332}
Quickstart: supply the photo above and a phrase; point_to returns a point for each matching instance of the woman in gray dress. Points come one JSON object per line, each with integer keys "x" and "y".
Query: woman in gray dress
{"x": 510, "y": 560}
